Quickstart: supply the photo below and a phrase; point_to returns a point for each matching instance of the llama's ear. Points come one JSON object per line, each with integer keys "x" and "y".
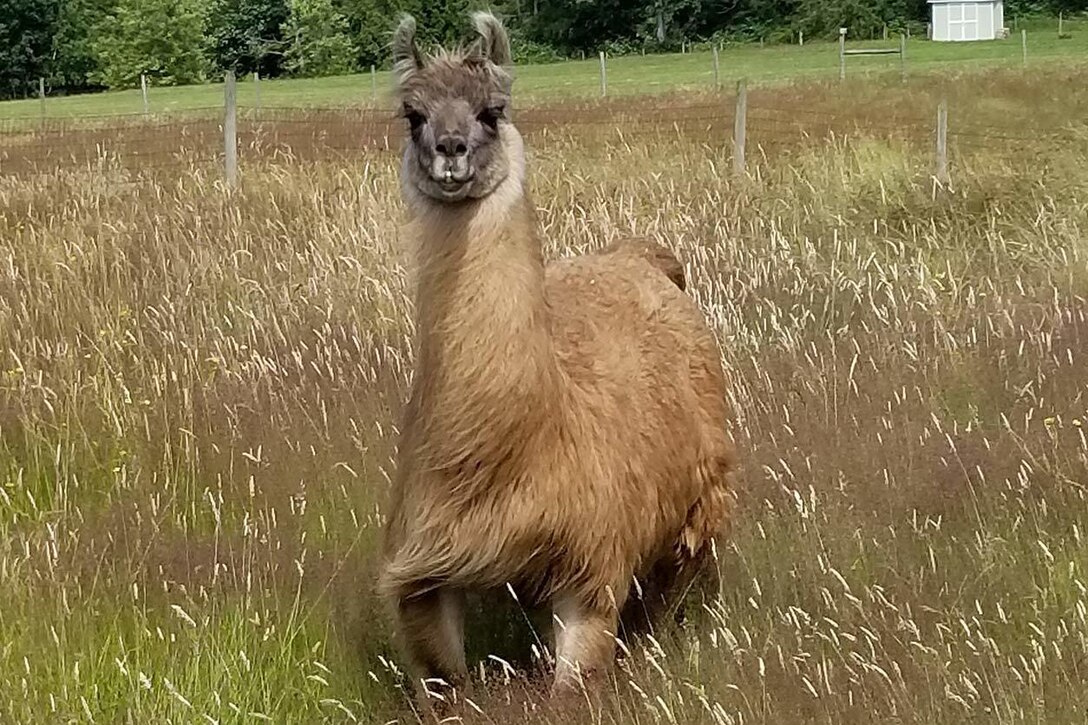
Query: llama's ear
{"x": 406, "y": 55}
{"x": 493, "y": 43}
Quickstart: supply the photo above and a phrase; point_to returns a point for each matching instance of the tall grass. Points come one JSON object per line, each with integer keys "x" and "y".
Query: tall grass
{"x": 198, "y": 395}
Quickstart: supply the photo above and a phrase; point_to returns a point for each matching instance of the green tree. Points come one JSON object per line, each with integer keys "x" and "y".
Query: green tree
{"x": 317, "y": 38}
{"x": 749, "y": 19}
{"x": 666, "y": 23}
{"x": 26, "y": 29}
{"x": 1017, "y": 8}
{"x": 160, "y": 38}
{"x": 75, "y": 62}
{"x": 573, "y": 25}
{"x": 246, "y": 35}
{"x": 824, "y": 17}
{"x": 369, "y": 23}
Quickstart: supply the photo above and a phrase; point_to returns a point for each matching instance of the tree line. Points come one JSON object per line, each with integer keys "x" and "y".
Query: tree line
{"x": 81, "y": 45}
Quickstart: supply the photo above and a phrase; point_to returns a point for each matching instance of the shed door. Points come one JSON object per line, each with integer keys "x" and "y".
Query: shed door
{"x": 970, "y": 21}
{"x": 986, "y": 22}
{"x": 955, "y": 21}
{"x": 963, "y": 21}
{"x": 940, "y": 22}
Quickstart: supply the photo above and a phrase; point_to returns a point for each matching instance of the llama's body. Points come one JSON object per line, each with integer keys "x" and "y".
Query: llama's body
{"x": 566, "y": 430}
{"x": 559, "y": 436}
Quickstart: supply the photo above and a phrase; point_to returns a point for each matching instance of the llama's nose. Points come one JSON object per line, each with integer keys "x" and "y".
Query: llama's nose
{"x": 451, "y": 145}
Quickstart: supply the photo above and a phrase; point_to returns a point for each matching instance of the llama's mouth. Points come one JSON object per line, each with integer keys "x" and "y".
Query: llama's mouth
{"x": 453, "y": 186}
{"x": 450, "y": 180}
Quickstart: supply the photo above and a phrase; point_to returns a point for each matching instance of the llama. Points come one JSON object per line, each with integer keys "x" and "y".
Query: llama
{"x": 565, "y": 434}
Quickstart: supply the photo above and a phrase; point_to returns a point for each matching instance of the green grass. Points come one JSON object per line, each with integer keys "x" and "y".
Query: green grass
{"x": 173, "y": 660}
{"x": 630, "y": 75}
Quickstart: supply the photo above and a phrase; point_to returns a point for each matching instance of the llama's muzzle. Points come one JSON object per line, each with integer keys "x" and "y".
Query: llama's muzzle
{"x": 451, "y": 171}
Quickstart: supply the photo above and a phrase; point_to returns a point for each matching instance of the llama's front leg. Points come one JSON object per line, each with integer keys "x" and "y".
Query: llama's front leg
{"x": 433, "y": 629}
{"x": 585, "y": 641}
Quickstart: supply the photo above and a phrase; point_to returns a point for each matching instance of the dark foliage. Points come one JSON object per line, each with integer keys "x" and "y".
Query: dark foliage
{"x": 78, "y": 45}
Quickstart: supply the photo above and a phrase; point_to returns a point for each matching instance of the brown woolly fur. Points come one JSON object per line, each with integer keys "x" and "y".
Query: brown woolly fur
{"x": 566, "y": 430}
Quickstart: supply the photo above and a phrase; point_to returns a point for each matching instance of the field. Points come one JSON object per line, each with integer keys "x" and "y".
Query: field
{"x": 632, "y": 75}
{"x": 199, "y": 388}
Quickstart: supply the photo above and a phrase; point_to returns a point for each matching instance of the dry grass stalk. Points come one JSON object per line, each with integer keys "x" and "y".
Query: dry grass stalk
{"x": 197, "y": 393}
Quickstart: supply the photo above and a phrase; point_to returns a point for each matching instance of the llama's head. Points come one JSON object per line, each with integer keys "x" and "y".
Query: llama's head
{"x": 456, "y": 104}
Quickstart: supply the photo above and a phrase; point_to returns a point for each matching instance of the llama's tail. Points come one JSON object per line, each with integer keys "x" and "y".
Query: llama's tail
{"x": 711, "y": 510}
{"x": 657, "y": 255}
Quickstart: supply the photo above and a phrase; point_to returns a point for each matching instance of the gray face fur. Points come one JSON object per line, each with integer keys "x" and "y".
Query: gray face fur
{"x": 456, "y": 106}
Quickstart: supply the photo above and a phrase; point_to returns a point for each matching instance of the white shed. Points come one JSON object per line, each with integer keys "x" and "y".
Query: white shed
{"x": 967, "y": 19}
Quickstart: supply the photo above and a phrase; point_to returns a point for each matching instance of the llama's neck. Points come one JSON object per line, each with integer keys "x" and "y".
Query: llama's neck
{"x": 486, "y": 373}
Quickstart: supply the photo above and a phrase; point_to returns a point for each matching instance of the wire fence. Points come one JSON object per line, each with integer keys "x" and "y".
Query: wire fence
{"x": 771, "y": 122}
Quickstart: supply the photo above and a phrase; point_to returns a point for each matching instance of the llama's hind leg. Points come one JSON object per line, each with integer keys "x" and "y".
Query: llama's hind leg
{"x": 665, "y": 591}
{"x": 698, "y": 579}
{"x": 585, "y": 641}
{"x": 432, "y": 626}
{"x": 648, "y": 599}
{"x": 706, "y": 525}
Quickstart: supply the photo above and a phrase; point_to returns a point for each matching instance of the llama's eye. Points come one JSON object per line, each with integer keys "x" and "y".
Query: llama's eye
{"x": 490, "y": 117}
{"x": 415, "y": 119}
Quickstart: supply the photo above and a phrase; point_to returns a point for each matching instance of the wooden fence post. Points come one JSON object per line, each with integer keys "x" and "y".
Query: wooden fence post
{"x": 740, "y": 127}
{"x": 257, "y": 89}
{"x": 373, "y": 84}
{"x": 942, "y": 141}
{"x": 717, "y": 70}
{"x": 842, "y": 54}
{"x": 143, "y": 92}
{"x": 1024, "y": 45}
{"x": 903, "y": 57}
{"x": 800, "y": 37}
{"x": 230, "y": 129}
{"x": 41, "y": 99}
{"x": 604, "y": 76}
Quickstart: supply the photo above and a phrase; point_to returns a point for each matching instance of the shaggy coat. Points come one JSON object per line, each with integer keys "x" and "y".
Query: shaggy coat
{"x": 566, "y": 429}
